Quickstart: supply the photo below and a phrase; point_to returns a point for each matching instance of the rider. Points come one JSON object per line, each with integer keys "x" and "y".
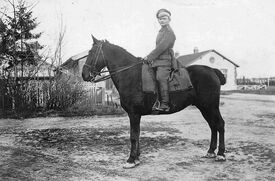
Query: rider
{"x": 161, "y": 58}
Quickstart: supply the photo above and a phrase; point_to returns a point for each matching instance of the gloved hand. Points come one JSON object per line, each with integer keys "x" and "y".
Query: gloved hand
{"x": 145, "y": 59}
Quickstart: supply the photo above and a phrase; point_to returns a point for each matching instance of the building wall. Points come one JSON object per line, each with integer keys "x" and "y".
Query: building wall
{"x": 216, "y": 61}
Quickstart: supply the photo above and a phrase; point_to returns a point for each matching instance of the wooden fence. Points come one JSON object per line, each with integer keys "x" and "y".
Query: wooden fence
{"x": 40, "y": 93}
{"x": 251, "y": 87}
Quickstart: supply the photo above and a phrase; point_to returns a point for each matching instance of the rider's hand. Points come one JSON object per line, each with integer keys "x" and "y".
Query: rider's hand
{"x": 145, "y": 59}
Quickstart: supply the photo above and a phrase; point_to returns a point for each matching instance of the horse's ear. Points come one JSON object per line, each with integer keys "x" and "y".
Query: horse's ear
{"x": 95, "y": 40}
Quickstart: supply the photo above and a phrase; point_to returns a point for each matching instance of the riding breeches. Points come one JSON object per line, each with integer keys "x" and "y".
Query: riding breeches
{"x": 162, "y": 76}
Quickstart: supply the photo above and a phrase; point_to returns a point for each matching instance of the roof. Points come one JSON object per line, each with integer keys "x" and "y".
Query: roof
{"x": 73, "y": 61}
{"x": 80, "y": 55}
{"x": 41, "y": 69}
{"x": 186, "y": 60}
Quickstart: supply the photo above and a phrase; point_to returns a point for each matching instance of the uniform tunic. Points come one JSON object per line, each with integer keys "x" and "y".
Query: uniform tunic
{"x": 161, "y": 55}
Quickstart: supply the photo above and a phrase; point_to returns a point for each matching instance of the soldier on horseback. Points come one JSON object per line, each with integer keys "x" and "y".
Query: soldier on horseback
{"x": 162, "y": 59}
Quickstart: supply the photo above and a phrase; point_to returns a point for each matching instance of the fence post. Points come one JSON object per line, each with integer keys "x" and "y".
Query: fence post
{"x": 103, "y": 96}
{"x": 95, "y": 95}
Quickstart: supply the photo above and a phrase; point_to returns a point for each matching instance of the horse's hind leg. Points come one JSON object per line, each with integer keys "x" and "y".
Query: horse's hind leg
{"x": 216, "y": 124}
{"x": 210, "y": 120}
{"x": 220, "y": 128}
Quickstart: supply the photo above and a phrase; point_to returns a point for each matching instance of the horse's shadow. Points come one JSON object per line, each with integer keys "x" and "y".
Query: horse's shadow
{"x": 114, "y": 140}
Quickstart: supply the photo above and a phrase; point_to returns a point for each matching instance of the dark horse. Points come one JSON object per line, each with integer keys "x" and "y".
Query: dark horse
{"x": 125, "y": 72}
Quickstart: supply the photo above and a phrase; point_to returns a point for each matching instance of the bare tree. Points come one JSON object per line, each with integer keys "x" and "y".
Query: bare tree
{"x": 58, "y": 54}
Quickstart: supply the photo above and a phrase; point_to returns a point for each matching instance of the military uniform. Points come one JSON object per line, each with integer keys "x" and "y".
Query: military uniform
{"x": 161, "y": 58}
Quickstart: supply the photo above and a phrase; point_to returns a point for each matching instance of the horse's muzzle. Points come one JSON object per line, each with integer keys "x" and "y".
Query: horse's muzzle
{"x": 87, "y": 77}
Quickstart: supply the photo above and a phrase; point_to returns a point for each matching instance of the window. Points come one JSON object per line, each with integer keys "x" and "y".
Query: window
{"x": 212, "y": 60}
{"x": 109, "y": 84}
{"x": 224, "y": 71}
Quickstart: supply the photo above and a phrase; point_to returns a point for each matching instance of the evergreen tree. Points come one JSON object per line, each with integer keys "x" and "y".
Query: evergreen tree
{"x": 19, "y": 48}
{"x": 2, "y": 30}
{"x": 19, "y": 43}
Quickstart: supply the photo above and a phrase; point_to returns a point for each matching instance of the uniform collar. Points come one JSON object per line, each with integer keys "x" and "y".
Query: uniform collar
{"x": 164, "y": 28}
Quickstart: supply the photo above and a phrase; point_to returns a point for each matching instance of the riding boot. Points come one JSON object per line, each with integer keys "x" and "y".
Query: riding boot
{"x": 164, "y": 105}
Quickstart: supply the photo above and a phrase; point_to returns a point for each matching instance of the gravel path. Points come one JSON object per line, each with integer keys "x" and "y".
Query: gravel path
{"x": 172, "y": 146}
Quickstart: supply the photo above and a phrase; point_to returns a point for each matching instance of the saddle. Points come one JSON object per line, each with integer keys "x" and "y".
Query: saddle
{"x": 178, "y": 80}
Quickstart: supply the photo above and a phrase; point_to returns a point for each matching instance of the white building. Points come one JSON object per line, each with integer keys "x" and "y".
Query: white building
{"x": 213, "y": 59}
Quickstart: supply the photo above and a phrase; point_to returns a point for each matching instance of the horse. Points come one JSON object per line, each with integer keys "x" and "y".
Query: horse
{"x": 125, "y": 71}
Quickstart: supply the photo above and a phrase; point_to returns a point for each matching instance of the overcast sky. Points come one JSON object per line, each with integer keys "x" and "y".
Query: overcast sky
{"x": 241, "y": 30}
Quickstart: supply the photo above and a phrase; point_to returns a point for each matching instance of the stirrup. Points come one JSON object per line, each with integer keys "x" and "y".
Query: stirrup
{"x": 163, "y": 109}
{"x": 156, "y": 105}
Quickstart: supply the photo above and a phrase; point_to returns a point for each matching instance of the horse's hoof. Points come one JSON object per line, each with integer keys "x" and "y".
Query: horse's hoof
{"x": 220, "y": 158}
{"x": 137, "y": 162}
{"x": 210, "y": 155}
{"x": 131, "y": 165}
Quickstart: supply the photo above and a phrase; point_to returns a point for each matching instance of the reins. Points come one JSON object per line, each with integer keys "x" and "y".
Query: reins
{"x": 113, "y": 72}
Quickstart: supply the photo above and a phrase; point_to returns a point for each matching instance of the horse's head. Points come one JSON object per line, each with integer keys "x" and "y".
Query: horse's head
{"x": 95, "y": 61}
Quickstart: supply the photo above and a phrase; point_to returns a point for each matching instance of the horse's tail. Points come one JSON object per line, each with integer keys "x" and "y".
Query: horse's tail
{"x": 221, "y": 76}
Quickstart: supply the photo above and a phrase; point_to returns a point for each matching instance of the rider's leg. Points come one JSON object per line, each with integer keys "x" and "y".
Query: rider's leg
{"x": 157, "y": 102}
{"x": 162, "y": 76}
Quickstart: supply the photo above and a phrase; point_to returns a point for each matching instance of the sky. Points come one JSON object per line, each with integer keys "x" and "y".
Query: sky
{"x": 241, "y": 30}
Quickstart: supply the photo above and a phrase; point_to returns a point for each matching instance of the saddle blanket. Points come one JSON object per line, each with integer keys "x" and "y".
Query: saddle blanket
{"x": 178, "y": 80}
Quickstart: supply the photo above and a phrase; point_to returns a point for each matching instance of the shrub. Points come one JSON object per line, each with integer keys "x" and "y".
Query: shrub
{"x": 62, "y": 95}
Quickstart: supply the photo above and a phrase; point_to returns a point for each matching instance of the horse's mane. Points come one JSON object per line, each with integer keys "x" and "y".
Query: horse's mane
{"x": 120, "y": 48}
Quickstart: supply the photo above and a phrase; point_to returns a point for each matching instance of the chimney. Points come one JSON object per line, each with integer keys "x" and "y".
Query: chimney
{"x": 196, "y": 50}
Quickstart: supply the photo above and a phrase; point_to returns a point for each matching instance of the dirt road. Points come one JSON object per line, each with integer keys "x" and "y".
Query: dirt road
{"x": 172, "y": 146}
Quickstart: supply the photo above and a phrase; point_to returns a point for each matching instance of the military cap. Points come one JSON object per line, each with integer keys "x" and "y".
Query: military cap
{"x": 163, "y": 12}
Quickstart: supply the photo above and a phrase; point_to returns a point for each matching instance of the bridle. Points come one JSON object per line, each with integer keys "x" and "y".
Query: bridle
{"x": 97, "y": 53}
{"x": 111, "y": 72}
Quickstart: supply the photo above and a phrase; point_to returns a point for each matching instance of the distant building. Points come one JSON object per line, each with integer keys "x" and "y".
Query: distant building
{"x": 40, "y": 71}
{"x": 269, "y": 81}
{"x": 71, "y": 70}
{"x": 213, "y": 59}
{"x": 35, "y": 75}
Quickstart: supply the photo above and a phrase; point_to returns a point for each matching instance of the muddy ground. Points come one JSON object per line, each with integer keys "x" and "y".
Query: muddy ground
{"x": 172, "y": 146}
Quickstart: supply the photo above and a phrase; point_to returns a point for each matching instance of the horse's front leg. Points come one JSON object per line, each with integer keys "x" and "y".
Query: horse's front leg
{"x": 133, "y": 159}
